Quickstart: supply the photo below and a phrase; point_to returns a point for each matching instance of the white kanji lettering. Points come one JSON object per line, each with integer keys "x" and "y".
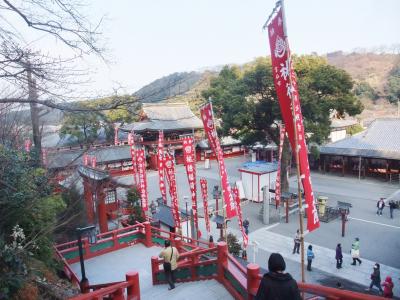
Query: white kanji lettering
{"x": 285, "y": 69}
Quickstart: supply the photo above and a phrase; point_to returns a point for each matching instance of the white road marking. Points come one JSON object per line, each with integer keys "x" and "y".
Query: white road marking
{"x": 271, "y": 226}
{"x": 382, "y": 224}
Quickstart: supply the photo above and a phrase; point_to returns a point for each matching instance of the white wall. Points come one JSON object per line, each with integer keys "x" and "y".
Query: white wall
{"x": 252, "y": 188}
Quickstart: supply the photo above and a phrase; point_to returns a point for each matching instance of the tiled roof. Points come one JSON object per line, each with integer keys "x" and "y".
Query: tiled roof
{"x": 62, "y": 159}
{"x": 164, "y": 215}
{"x": 380, "y": 140}
{"x": 165, "y": 116}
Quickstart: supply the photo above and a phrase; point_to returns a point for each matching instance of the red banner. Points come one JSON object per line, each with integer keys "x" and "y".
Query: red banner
{"x": 170, "y": 171}
{"x": 286, "y": 89}
{"x": 131, "y": 141}
{"x": 141, "y": 164}
{"x": 190, "y": 166}
{"x": 94, "y": 161}
{"x": 204, "y": 193}
{"x": 278, "y": 174}
{"x": 240, "y": 218}
{"x": 116, "y": 141}
{"x": 160, "y": 155}
{"x": 209, "y": 128}
{"x": 44, "y": 156}
{"x": 85, "y": 159}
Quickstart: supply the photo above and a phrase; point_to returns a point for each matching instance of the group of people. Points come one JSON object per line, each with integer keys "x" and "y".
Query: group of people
{"x": 276, "y": 284}
{"x": 381, "y": 205}
{"x": 388, "y": 285}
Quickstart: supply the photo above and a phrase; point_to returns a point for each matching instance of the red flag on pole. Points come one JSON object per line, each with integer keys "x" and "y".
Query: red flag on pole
{"x": 240, "y": 218}
{"x": 44, "y": 156}
{"x": 190, "y": 166}
{"x": 131, "y": 140}
{"x": 116, "y": 141}
{"x": 286, "y": 89}
{"x": 85, "y": 159}
{"x": 278, "y": 175}
{"x": 204, "y": 193}
{"x": 94, "y": 161}
{"x": 209, "y": 128}
{"x": 160, "y": 156}
{"x": 141, "y": 163}
{"x": 170, "y": 171}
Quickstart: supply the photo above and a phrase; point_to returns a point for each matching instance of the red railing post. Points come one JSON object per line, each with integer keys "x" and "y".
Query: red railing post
{"x": 115, "y": 239}
{"x": 133, "y": 290}
{"x": 193, "y": 261}
{"x": 154, "y": 268}
{"x": 147, "y": 232}
{"x": 222, "y": 255}
{"x": 253, "y": 281}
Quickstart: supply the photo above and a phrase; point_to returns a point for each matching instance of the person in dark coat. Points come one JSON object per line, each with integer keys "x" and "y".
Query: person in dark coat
{"x": 246, "y": 225}
{"x": 277, "y": 285}
{"x": 376, "y": 279}
{"x": 380, "y": 205}
{"x": 392, "y": 206}
{"x": 339, "y": 256}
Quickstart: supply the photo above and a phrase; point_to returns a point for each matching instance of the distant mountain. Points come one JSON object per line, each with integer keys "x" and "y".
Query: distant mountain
{"x": 168, "y": 86}
{"x": 371, "y": 73}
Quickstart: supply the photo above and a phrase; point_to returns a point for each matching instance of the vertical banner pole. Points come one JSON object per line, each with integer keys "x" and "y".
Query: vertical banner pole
{"x": 296, "y": 153}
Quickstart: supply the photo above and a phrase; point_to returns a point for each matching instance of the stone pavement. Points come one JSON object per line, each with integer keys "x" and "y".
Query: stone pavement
{"x": 113, "y": 266}
{"x": 324, "y": 259}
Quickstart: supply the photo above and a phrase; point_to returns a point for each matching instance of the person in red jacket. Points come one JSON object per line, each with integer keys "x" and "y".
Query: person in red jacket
{"x": 388, "y": 287}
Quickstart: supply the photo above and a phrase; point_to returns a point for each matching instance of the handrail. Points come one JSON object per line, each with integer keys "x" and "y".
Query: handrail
{"x": 67, "y": 269}
{"x": 237, "y": 264}
{"x": 182, "y": 237}
{"x": 115, "y": 290}
{"x": 333, "y": 293}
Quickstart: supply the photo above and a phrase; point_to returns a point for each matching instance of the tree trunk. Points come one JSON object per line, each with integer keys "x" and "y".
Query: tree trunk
{"x": 285, "y": 165}
{"x": 37, "y": 139}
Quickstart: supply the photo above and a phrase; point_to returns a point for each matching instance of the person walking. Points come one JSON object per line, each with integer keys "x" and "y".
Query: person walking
{"x": 376, "y": 279}
{"x": 339, "y": 256}
{"x": 170, "y": 255}
{"x": 310, "y": 257}
{"x": 388, "y": 287}
{"x": 276, "y": 284}
{"x": 246, "y": 225}
{"x": 380, "y": 205}
{"x": 355, "y": 252}
{"x": 296, "y": 247}
{"x": 392, "y": 206}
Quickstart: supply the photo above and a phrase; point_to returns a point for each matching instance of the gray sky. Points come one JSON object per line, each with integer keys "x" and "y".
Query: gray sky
{"x": 153, "y": 38}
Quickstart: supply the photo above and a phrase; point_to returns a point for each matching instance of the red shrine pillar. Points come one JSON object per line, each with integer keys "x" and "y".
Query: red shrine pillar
{"x": 88, "y": 198}
{"x": 101, "y": 209}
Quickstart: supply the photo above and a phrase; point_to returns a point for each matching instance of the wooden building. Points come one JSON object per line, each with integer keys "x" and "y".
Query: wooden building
{"x": 373, "y": 152}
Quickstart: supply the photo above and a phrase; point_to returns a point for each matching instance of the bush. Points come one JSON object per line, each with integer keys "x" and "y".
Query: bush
{"x": 233, "y": 244}
{"x": 133, "y": 198}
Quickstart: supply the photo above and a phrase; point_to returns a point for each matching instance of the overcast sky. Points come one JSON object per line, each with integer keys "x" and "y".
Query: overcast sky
{"x": 153, "y": 38}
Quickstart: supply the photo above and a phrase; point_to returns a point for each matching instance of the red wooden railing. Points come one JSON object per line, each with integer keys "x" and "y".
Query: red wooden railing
{"x": 199, "y": 260}
{"x": 115, "y": 290}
